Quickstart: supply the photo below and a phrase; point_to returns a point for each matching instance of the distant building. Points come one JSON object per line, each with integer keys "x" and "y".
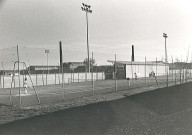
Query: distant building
{"x": 8, "y": 72}
{"x": 73, "y": 65}
{"x": 37, "y": 67}
{"x": 141, "y": 69}
{"x": 180, "y": 65}
{"x": 67, "y": 67}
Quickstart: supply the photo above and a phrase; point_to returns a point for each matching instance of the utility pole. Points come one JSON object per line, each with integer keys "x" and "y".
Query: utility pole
{"x": 87, "y": 10}
{"x": 166, "y": 62}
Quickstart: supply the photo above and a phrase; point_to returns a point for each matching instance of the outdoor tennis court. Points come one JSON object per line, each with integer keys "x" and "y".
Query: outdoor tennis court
{"x": 53, "y": 93}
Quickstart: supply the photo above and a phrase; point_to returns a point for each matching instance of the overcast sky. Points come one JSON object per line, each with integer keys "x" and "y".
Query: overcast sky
{"x": 114, "y": 26}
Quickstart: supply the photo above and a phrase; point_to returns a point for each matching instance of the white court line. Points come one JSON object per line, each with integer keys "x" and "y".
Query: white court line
{"x": 66, "y": 92}
{"x": 22, "y": 95}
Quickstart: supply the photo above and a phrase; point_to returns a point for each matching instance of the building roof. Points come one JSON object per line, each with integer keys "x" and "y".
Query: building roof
{"x": 74, "y": 63}
{"x": 7, "y": 70}
{"x": 44, "y": 66}
{"x": 138, "y": 62}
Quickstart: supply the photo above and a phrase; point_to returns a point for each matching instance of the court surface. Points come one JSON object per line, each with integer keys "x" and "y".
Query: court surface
{"x": 54, "y": 93}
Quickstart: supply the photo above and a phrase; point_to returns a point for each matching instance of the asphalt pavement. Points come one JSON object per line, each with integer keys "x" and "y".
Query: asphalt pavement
{"x": 162, "y": 111}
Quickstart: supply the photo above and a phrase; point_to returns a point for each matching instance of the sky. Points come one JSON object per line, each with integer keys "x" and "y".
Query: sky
{"x": 114, "y": 26}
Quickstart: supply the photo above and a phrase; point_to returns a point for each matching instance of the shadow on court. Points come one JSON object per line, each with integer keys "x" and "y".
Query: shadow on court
{"x": 167, "y": 100}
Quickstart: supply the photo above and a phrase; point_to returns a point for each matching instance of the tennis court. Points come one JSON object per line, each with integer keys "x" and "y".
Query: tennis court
{"x": 54, "y": 93}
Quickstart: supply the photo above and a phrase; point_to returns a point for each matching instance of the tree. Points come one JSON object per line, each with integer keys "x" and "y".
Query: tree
{"x": 92, "y": 62}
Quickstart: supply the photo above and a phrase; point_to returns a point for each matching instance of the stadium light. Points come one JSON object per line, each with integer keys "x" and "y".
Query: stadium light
{"x": 165, "y": 36}
{"x": 87, "y": 10}
{"x": 166, "y": 62}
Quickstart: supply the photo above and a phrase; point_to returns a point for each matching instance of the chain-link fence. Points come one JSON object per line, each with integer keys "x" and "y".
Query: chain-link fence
{"x": 50, "y": 84}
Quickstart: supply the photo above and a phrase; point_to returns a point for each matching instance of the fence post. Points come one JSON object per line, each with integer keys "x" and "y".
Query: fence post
{"x": 115, "y": 74}
{"x": 3, "y": 76}
{"x": 46, "y": 78}
{"x": 63, "y": 92}
{"x": 63, "y": 79}
{"x": 156, "y": 67}
{"x": 92, "y": 75}
{"x": 145, "y": 73}
{"x": 86, "y": 76}
{"x": 59, "y": 78}
{"x": 172, "y": 70}
{"x": 185, "y": 75}
{"x": 59, "y": 73}
{"x": 43, "y": 75}
{"x": 10, "y": 96}
{"x": 13, "y": 80}
{"x": 69, "y": 80}
{"x": 180, "y": 75}
{"x": 36, "y": 79}
{"x": 3, "y": 81}
{"x": 73, "y": 76}
{"x": 23, "y": 76}
{"x": 0, "y": 81}
{"x": 23, "y": 80}
{"x": 175, "y": 77}
{"x": 190, "y": 73}
{"x": 166, "y": 66}
{"x": 92, "y": 83}
{"x": 42, "y": 79}
{"x": 55, "y": 79}
{"x": 96, "y": 73}
{"x": 132, "y": 72}
{"x": 78, "y": 77}
{"x": 166, "y": 75}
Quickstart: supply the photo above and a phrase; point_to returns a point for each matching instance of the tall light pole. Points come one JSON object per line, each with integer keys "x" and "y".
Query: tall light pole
{"x": 47, "y": 52}
{"x": 166, "y": 62}
{"x": 87, "y": 10}
{"x": 165, "y": 36}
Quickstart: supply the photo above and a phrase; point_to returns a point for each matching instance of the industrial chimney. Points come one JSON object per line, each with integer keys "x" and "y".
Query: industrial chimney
{"x": 61, "y": 54}
{"x": 132, "y": 56}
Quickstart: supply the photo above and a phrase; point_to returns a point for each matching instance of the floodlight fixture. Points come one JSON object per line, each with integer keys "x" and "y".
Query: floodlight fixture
{"x": 86, "y": 8}
{"x": 165, "y": 35}
{"x": 47, "y": 51}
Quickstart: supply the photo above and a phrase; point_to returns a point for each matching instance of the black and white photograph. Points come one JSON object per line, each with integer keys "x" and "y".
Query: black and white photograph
{"x": 95, "y": 67}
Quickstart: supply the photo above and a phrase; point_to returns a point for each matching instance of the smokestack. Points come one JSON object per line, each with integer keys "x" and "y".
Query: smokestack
{"x": 132, "y": 56}
{"x": 61, "y": 54}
